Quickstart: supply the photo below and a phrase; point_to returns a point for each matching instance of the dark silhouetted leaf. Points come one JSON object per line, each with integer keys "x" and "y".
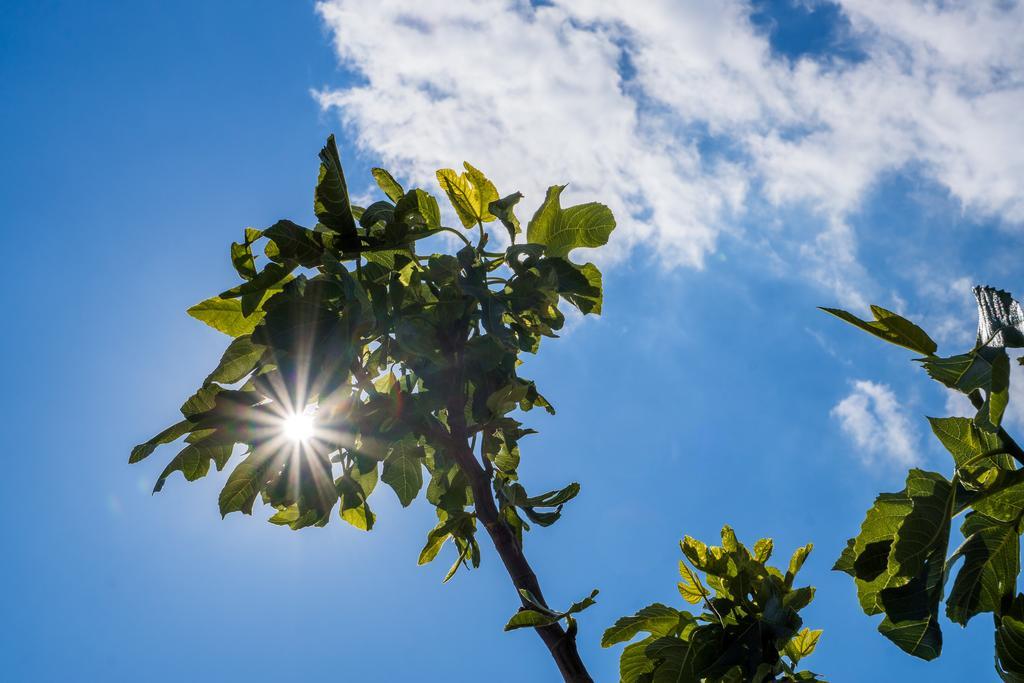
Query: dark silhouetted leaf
{"x": 991, "y": 552}
{"x": 330, "y": 199}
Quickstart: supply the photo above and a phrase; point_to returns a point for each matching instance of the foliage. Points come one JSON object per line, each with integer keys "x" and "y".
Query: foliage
{"x": 410, "y": 361}
{"x": 901, "y": 560}
{"x": 750, "y": 629}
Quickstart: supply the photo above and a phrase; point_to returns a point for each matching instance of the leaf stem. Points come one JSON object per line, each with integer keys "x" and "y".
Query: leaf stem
{"x": 456, "y": 233}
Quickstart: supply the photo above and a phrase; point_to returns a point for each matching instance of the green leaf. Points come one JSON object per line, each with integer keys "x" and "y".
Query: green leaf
{"x": 1004, "y": 498}
{"x": 798, "y": 598}
{"x": 796, "y": 562}
{"x": 506, "y": 459}
{"x": 271, "y": 277}
{"x": 143, "y": 450}
{"x": 226, "y": 315}
{"x": 634, "y": 663}
{"x": 244, "y": 484}
{"x": 403, "y": 470}
{"x": 656, "y": 619}
{"x": 503, "y": 209}
{"x": 972, "y": 371}
{"x": 580, "y": 605}
{"x": 691, "y": 588}
{"x": 417, "y": 208}
{"x": 507, "y": 398}
{"x": 378, "y": 212}
{"x": 388, "y": 184}
{"x": 911, "y": 620}
{"x": 361, "y": 517}
{"x": 892, "y": 328}
{"x": 239, "y": 359}
{"x": 542, "y": 616}
{"x": 911, "y": 594}
{"x": 926, "y": 528}
{"x": 973, "y": 449}
{"x": 194, "y": 461}
{"x": 435, "y": 539}
{"x": 998, "y": 396}
{"x": 902, "y": 535}
{"x": 579, "y": 285}
{"x": 201, "y": 401}
{"x": 291, "y": 242}
{"x": 528, "y": 618}
{"x": 991, "y": 552}
{"x": 470, "y": 193}
{"x": 286, "y": 516}
{"x": 683, "y": 660}
{"x": 330, "y": 199}
{"x": 562, "y": 230}
{"x": 242, "y": 260}
{"x": 741, "y": 633}
{"x": 1010, "y": 643}
{"x": 353, "y": 489}
{"x": 763, "y": 549}
{"x": 873, "y": 545}
{"x": 802, "y": 645}
{"x": 554, "y": 498}
{"x": 847, "y": 560}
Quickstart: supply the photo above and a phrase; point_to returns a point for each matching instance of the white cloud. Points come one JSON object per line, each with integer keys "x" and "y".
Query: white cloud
{"x": 878, "y": 425}
{"x": 1014, "y": 418}
{"x": 958, "y": 405}
{"x": 535, "y": 95}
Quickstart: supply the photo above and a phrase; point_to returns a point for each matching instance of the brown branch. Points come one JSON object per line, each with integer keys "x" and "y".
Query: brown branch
{"x": 560, "y": 644}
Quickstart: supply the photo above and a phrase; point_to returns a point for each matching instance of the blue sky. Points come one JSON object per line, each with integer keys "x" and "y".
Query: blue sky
{"x": 140, "y": 138}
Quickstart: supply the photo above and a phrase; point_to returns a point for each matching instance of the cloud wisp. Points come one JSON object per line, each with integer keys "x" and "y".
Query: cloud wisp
{"x": 878, "y": 425}
{"x": 683, "y": 118}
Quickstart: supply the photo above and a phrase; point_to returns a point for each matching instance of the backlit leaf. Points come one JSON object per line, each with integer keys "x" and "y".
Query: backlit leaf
{"x": 470, "y": 193}
{"x": 388, "y": 184}
{"x": 143, "y": 450}
{"x": 225, "y": 315}
{"x": 194, "y": 461}
{"x": 891, "y": 327}
{"x": 562, "y": 230}
{"x": 656, "y": 619}
{"x": 802, "y": 644}
{"x": 403, "y": 470}
{"x": 692, "y": 590}
{"x": 238, "y": 360}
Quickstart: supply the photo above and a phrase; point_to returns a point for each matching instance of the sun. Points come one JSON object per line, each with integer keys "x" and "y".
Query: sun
{"x": 299, "y": 427}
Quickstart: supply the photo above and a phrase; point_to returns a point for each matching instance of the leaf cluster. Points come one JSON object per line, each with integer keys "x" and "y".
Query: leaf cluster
{"x": 901, "y": 560}
{"x": 749, "y": 630}
{"x": 409, "y": 362}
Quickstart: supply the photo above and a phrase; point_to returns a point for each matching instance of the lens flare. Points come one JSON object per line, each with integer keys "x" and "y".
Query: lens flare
{"x": 299, "y": 427}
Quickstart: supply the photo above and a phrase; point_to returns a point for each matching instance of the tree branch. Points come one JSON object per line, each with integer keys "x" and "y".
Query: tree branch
{"x": 560, "y": 644}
